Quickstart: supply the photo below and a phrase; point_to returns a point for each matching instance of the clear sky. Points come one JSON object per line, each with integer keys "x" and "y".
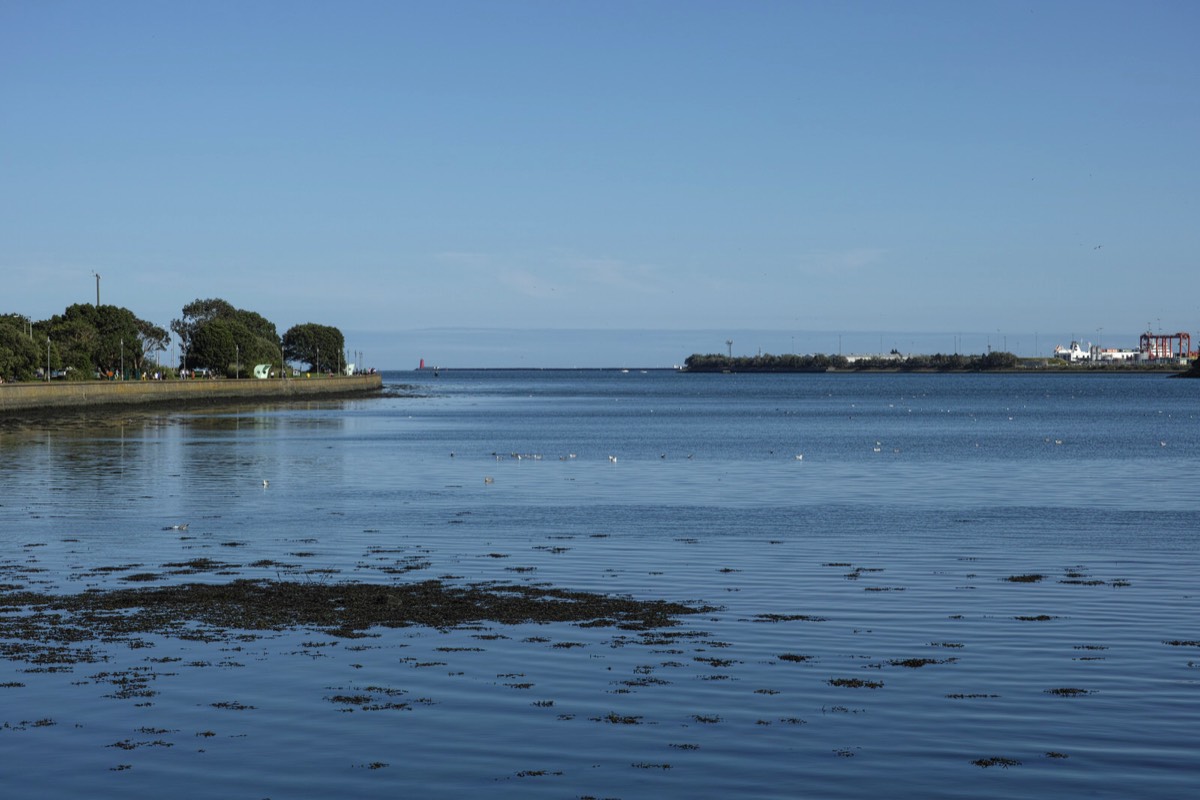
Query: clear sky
{"x": 609, "y": 182}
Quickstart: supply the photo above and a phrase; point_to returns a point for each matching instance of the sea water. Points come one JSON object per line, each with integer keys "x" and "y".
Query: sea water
{"x": 914, "y": 586}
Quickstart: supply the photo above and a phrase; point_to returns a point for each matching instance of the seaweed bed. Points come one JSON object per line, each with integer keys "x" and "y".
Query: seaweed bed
{"x": 213, "y": 612}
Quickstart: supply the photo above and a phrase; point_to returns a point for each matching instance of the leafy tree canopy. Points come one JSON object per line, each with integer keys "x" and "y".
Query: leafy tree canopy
{"x": 254, "y": 338}
{"x": 91, "y": 337}
{"x": 321, "y": 346}
{"x": 154, "y": 338}
{"x": 213, "y": 345}
{"x": 20, "y": 353}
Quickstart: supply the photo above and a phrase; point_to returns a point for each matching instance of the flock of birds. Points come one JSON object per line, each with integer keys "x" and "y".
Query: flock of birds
{"x": 488, "y": 479}
{"x": 571, "y": 456}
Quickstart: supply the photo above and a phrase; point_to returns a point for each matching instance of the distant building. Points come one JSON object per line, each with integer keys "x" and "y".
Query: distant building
{"x": 1108, "y": 355}
{"x": 1151, "y": 348}
{"x": 1073, "y": 353}
{"x": 892, "y": 356}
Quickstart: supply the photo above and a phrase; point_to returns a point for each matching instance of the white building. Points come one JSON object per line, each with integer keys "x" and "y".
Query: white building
{"x": 1108, "y": 355}
{"x": 1073, "y": 353}
{"x": 1104, "y": 355}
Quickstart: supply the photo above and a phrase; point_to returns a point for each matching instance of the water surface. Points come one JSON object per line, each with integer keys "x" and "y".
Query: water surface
{"x": 853, "y": 538}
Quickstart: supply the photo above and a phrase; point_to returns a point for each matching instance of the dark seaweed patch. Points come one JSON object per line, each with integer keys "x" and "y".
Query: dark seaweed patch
{"x": 209, "y": 612}
{"x": 854, "y": 683}
{"x": 787, "y": 618}
{"x": 917, "y": 663}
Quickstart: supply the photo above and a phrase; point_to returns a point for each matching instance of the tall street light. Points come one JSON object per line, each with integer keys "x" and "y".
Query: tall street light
{"x": 47, "y": 359}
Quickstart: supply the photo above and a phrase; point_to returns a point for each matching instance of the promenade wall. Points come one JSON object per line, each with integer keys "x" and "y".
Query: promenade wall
{"x": 65, "y": 395}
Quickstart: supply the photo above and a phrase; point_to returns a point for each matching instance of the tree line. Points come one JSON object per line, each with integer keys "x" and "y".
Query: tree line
{"x": 819, "y": 362}
{"x": 100, "y": 341}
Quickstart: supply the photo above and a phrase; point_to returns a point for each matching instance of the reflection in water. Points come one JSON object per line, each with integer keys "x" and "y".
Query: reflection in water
{"x": 91, "y": 466}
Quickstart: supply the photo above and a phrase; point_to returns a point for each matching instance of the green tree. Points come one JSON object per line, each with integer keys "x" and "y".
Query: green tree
{"x": 154, "y": 340}
{"x": 94, "y": 337}
{"x": 998, "y": 359}
{"x": 213, "y": 346}
{"x": 20, "y": 353}
{"x": 320, "y": 346}
{"x": 195, "y": 315}
{"x": 253, "y": 346}
{"x": 255, "y": 340}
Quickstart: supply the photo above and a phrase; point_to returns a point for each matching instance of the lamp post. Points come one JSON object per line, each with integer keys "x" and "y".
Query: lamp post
{"x": 122, "y": 358}
{"x": 47, "y": 359}
{"x": 237, "y": 361}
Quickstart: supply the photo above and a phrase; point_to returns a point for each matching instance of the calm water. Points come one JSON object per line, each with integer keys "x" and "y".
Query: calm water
{"x": 891, "y": 539}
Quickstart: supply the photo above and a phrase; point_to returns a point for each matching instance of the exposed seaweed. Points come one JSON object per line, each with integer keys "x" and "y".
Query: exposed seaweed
{"x": 54, "y": 623}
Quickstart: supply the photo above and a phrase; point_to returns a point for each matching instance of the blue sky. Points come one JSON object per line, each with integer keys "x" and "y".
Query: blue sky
{"x": 608, "y": 183}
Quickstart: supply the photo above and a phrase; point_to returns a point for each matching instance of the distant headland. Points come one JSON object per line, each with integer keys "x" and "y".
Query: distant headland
{"x": 995, "y": 361}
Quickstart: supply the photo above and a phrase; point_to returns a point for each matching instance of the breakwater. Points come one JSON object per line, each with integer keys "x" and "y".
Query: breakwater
{"x": 75, "y": 395}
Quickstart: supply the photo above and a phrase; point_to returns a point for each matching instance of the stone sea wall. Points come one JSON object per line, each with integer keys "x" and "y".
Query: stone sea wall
{"x": 24, "y": 397}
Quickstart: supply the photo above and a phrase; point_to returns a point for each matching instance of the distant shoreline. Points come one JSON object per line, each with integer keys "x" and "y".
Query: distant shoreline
{"x": 993, "y": 361}
{"x": 1164, "y": 371}
{"x": 1173, "y": 371}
